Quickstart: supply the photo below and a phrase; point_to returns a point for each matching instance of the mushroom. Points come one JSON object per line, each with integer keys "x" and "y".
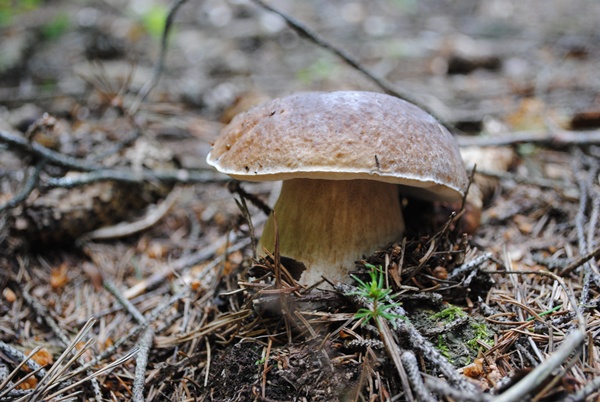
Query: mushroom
{"x": 342, "y": 157}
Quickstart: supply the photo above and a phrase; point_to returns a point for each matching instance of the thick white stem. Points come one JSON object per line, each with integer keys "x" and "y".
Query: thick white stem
{"x": 329, "y": 224}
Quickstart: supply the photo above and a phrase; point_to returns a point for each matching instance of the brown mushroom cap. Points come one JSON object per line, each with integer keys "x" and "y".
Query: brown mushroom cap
{"x": 342, "y": 136}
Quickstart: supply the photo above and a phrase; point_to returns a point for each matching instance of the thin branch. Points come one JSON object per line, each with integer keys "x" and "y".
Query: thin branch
{"x": 129, "y": 228}
{"x": 158, "y": 67}
{"x": 305, "y": 31}
{"x": 411, "y": 366}
{"x": 580, "y": 261}
{"x": 127, "y": 305}
{"x": 128, "y": 176}
{"x": 29, "y": 186}
{"x": 569, "y": 345}
{"x": 53, "y": 157}
{"x": 141, "y": 362}
{"x": 556, "y": 138}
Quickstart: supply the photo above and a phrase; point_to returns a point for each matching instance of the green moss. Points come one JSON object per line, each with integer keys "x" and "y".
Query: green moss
{"x": 443, "y": 347}
{"x": 481, "y": 335}
{"x": 56, "y": 27}
{"x": 449, "y": 314}
{"x": 10, "y": 8}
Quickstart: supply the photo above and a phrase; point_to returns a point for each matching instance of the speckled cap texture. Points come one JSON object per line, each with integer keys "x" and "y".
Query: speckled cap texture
{"x": 342, "y": 136}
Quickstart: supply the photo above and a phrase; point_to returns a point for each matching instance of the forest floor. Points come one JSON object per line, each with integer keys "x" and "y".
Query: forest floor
{"x": 126, "y": 265}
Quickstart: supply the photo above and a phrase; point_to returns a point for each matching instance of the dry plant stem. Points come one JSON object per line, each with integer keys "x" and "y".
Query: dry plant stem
{"x": 441, "y": 387}
{"x": 411, "y": 366}
{"x": 235, "y": 187}
{"x": 304, "y": 31}
{"x": 28, "y": 187}
{"x": 52, "y": 157}
{"x": 6, "y": 388}
{"x": 208, "y": 360}
{"x": 144, "y": 342}
{"x": 95, "y": 173}
{"x": 580, "y": 261}
{"x": 532, "y": 181}
{"x": 153, "y": 316}
{"x": 127, "y": 305}
{"x": 109, "y": 367}
{"x": 128, "y": 176}
{"x": 585, "y": 182}
{"x": 584, "y": 393}
{"x": 519, "y": 391}
{"x": 470, "y": 266}
{"x": 55, "y": 374}
{"x": 185, "y": 262}
{"x": 430, "y": 353}
{"x": 141, "y": 362}
{"x": 19, "y": 356}
{"x": 394, "y": 353}
{"x": 44, "y": 314}
{"x": 158, "y": 67}
{"x": 244, "y": 209}
{"x": 569, "y": 345}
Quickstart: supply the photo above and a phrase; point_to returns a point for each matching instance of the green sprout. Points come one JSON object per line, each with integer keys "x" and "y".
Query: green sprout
{"x": 374, "y": 291}
{"x": 154, "y": 20}
{"x": 543, "y": 313}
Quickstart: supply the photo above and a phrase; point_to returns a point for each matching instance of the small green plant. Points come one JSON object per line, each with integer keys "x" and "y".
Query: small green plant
{"x": 11, "y": 8}
{"x": 154, "y": 20}
{"x": 374, "y": 291}
{"x": 481, "y": 335}
{"x": 321, "y": 69}
{"x": 56, "y": 27}
{"x": 449, "y": 314}
{"x": 442, "y": 346}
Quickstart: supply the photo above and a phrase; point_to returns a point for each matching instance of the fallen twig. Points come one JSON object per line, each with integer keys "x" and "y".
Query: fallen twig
{"x": 129, "y": 228}
{"x": 37, "y": 370}
{"x": 28, "y": 187}
{"x": 123, "y": 175}
{"x": 560, "y": 138}
{"x": 414, "y": 375}
{"x": 158, "y": 67}
{"x": 305, "y": 31}
{"x": 185, "y": 262}
{"x": 52, "y": 157}
{"x": 141, "y": 362}
{"x": 570, "y": 344}
{"x": 124, "y": 301}
{"x": 441, "y": 387}
{"x": 580, "y": 261}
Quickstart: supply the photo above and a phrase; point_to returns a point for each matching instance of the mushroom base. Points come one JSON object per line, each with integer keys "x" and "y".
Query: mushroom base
{"x": 328, "y": 225}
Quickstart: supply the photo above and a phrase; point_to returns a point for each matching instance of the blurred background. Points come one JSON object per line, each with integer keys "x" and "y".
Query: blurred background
{"x": 518, "y": 61}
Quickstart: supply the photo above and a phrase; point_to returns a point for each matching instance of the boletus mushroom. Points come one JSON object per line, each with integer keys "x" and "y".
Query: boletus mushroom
{"x": 342, "y": 157}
